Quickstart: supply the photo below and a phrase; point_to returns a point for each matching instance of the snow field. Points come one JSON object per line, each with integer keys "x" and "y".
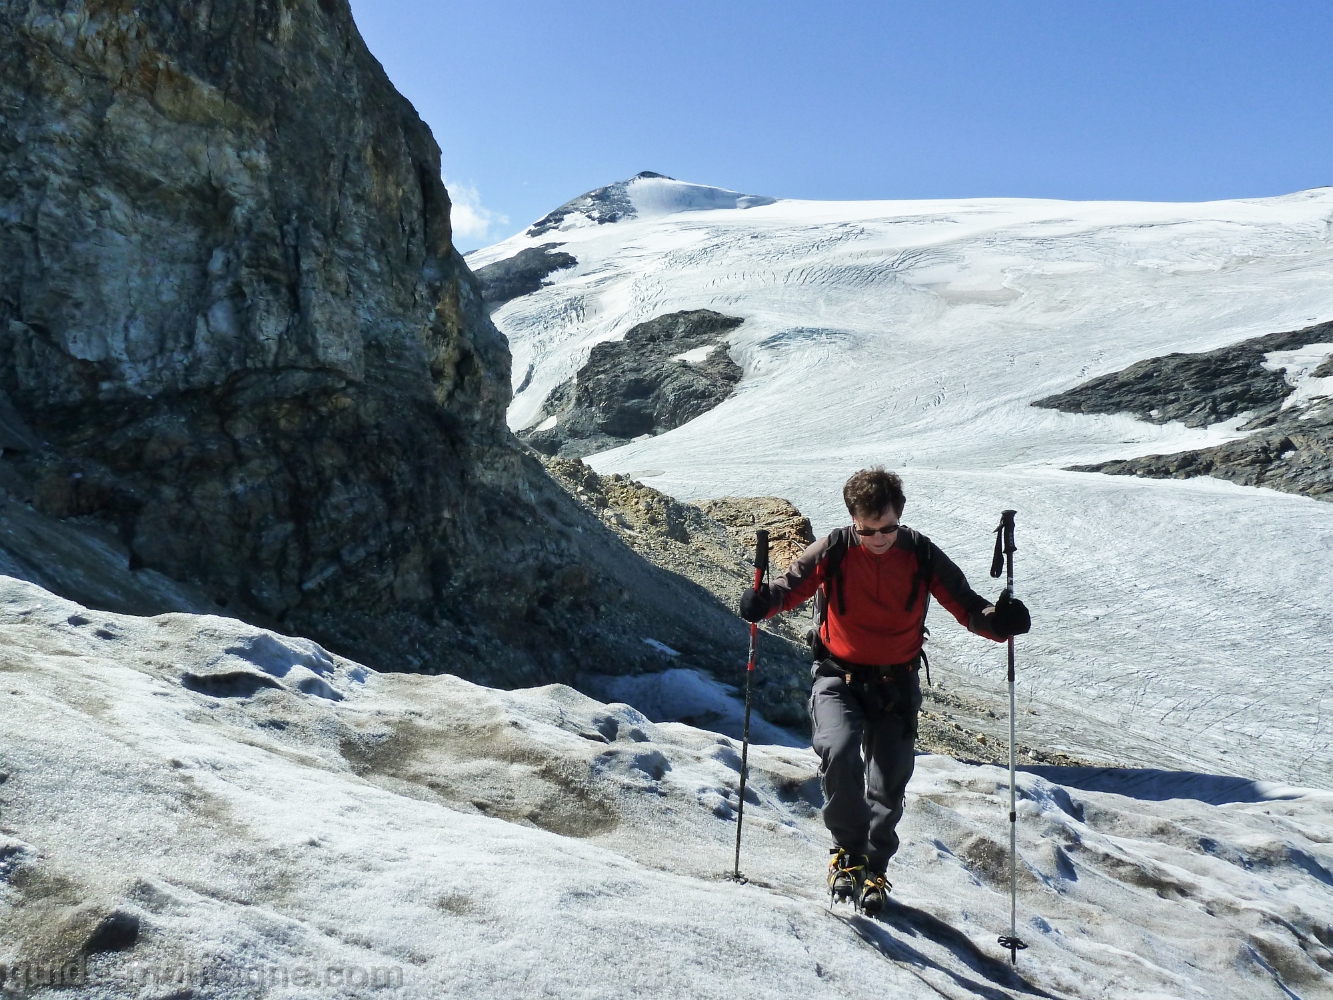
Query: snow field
{"x": 184, "y": 771}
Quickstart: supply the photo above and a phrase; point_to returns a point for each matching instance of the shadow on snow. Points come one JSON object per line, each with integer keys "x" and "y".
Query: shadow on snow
{"x": 1155, "y": 785}
{"x": 910, "y": 921}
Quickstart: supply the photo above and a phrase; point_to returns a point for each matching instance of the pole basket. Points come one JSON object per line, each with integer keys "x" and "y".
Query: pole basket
{"x": 1012, "y": 945}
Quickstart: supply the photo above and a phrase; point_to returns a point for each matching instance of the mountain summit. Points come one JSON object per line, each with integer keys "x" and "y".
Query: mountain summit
{"x": 646, "y": 195}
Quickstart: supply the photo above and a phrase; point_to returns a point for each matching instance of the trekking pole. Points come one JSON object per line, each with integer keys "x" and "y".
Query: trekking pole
{"x": 760, "y": 567}
{"x": 1004, "y": 555}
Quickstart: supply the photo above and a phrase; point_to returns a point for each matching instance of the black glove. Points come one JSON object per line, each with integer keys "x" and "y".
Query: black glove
{"x": 754, "y": 605}
{"x": 1010, "y": 617}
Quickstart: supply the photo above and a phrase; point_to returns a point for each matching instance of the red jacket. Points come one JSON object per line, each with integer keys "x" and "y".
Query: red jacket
{"x": 877, "y": 628}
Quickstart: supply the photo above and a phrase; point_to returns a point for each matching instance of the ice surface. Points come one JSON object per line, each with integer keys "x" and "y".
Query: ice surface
{"x": 689, "y": 696}
{"x": 657, "y": 196}
{"x": 467, "y": 842}
{"x": 1177, "y": 624}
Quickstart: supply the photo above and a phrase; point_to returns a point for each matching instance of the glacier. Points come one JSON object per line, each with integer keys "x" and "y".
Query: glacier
{"x": 1180, "y": 624}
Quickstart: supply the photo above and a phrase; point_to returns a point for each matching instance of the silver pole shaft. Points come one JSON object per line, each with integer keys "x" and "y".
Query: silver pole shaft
{"x": 745, "y": 747}
{"x": 1013, "y": 816}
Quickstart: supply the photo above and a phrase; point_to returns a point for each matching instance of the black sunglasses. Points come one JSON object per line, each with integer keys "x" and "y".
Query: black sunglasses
{"x": 867, "y": 532}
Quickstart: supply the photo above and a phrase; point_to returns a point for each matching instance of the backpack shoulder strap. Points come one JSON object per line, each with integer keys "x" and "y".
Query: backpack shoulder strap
{"x": 924, "y": 551}
{"x": 837, "y": 548}
{"x": 840, "y": 538}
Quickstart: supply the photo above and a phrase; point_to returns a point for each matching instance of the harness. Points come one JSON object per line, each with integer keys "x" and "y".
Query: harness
{"x": 832, "y": 589}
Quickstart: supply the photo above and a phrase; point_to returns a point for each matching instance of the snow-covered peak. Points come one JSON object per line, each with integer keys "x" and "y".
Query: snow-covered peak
{"x": 646, "y": 195}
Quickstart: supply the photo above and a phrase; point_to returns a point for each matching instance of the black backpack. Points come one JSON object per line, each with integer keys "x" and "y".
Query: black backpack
{"x": 831, "y": 588}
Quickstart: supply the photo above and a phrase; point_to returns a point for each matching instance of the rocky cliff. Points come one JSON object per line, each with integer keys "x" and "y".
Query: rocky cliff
{"x": 234, "y": 332}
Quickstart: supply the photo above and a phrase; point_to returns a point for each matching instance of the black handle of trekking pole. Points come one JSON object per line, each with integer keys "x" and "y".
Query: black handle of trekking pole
{"x": 1004, "y": 547}
{"x": 1004, "y": 560}
{"x": 760, "y": 568}
{"x": 760, "y": 556}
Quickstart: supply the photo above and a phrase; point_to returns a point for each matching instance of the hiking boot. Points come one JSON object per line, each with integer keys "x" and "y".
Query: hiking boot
{"x": 875, "y": 889}
{"x": 844, "y": 875}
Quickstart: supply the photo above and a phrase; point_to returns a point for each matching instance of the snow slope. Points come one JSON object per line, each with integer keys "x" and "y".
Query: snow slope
{"x": 1179, "y": 624}
{"x": 241, "y": 814}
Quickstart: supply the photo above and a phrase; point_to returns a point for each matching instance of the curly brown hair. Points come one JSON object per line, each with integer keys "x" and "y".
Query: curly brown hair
{"x": 871, "y": 492}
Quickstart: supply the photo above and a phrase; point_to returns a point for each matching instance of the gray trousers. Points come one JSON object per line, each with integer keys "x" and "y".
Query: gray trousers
{"x": 865, "y": 735}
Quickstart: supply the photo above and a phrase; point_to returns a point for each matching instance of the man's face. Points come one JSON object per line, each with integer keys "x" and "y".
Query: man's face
{"x": 880, "y": 542}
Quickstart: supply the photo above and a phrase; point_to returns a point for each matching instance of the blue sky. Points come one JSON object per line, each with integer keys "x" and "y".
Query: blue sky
{"x": 534, "y": 103}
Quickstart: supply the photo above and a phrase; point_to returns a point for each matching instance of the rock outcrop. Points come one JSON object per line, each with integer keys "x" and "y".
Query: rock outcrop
{"x": 664, "y": 373}
{"x": 1292, "y": 457}
{"x": 230, "y": 299}
{"x": 687, "y": 540}
{"x": 1196, "y": 389}
{"x": 235, "y": 333}
{"x": 521, "y": 274}
{"x": 1291, "y": 447}
{"x": 789, "y": 531}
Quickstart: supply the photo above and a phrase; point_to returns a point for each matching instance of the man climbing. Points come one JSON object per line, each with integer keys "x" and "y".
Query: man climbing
{"x": 872, "y": 582}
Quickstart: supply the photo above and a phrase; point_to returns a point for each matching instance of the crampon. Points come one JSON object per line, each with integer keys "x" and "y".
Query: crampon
{"x": 845, "y": 872}
{"x": 875, "y": 889}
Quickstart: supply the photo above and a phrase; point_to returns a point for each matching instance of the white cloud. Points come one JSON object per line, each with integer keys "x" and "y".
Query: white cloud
{"x": 470, "y": 219}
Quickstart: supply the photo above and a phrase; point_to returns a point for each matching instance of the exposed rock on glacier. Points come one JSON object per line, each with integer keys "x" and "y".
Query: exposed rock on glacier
{"x": 1280, "y": 383}
{"x": 662, "y": 374}
{"x": 521, "y": 274}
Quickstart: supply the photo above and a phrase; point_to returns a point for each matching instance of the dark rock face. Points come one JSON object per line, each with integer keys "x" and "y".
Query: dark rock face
{"x": 229, "y": 298}
{"x": 639, "y": 385}
{"x": 1291, "y": 449}
{"x": 1298, "y": 459}
{"x": 603, "y": 205}
{"x": 520, "y": 274}
{"x": 234, "y": 331}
